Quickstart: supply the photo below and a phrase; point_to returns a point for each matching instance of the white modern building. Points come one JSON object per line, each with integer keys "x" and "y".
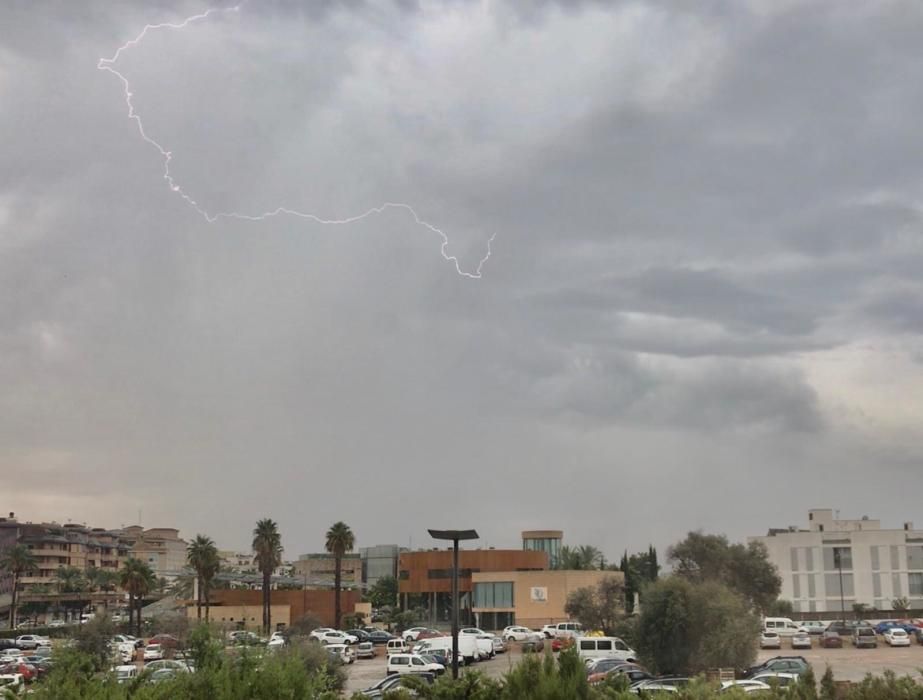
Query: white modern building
{"x": 835, "y": 563}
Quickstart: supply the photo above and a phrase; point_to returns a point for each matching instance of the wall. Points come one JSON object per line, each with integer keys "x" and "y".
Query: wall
{"x": 319, "y": 603}
{"x": 250, "y": 615}
{"x": 557, "y": 584}
{"x": 414, "y": 567}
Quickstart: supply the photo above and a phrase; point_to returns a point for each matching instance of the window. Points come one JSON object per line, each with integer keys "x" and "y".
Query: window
{"x": 876, "y": 583}
{"x": 896, "y": 589}
{"x": 794, "y": 556}
{"x": 604, "y": 645}
{"x": 895, "y": 564}
{"x": 914, "y": 557}
{"x": 417, "y": 662}
{"x": 808, "y": 559}
{"x": 621, "y": 646}
{"x": 812, "y": 591}
{"x": 836, "y": 558}
{"x": 587, "y": 644}
{"x": 915, "y": 584}
{"x": 493, "y": 595}
{"x": 875, "y": 563}
{"x": 832, "y": 583}
{"x": 796, "y": 585}
{"x": 405, "y": 574}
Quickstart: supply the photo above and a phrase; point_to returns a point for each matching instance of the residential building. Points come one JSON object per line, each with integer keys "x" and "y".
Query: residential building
{"x": 835, "y": 563}
{"x": 237, "y": 562}
{"x": 548, "y": 541}
{"x": 319, "y": 569}
{"x": 425, "y": 577}
{"x": 160, "y": 547}
{"x": 74, "y": 545}
{"x": 528, "y": 598}
{"x": 379, "y": 562}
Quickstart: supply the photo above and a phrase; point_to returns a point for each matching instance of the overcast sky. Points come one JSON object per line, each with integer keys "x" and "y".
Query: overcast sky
{"x": 703, "y": 307}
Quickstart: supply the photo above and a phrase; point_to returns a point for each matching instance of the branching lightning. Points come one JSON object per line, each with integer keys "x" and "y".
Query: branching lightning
{"x": 108, "y": 65}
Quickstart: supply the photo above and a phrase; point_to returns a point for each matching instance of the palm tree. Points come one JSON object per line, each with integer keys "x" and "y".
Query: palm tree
{"x": 267, "y": 549}
{"x": 17, "y": 560}
{"x": 340, "y": 539}
{"x": 70, "y": 579}
{"x": 590, "y": 556}
{"x": 137, "y": 578}
{"x": 202, "y": 556}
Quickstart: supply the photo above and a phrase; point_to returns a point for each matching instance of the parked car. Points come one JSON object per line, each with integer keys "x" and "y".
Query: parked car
{"x": 831, "y": 640}
{"x": 844, "y": 628}
{"x": 334, "y": 637}
{"x": 746, "y": 686}
{"x": 656, "y": 686}
{"x": 57, "y": 623}
{"x": 379, "y": 637}
{"x": 776, "y": 678}
{"x": 397, "y": 646}
{"x": 813, "y": 626}
{"x": 783, "y": 664}
{"x": 535, "y": 643}
{"x": 167, "y": 641}
{"x": 365, "y": 650}
{"x": 604, "y": 647}
{"x": 563, "y": 630}
{"x": 632, "y": 672}
{"x": 410, "y": 635}
{"x": 603, "y": 665}
{"x": 14, "y": 682}
{"x": 125, "y": 673}
{"x": 393, "y": 682}
{"x": 173, "y": 664}
{"x": 499, "y": 645}
{"x": 242, "y": 638}
{"x": 770, "y": 640}
{"x": 468, "y": 651}
{"x": 802, "y": 640}
{"x": 412, "y": 663}
{"x": 31, "y": 641}
{"x": 360, "y": 635}
{"x": 341, "y": 652}
{"x": 516, "y": 633}
{"x": 897, "y": 637}
{"x": 783, "y": 626}
{"x": 153, "y": 652}
{"x": 864, "y": 637}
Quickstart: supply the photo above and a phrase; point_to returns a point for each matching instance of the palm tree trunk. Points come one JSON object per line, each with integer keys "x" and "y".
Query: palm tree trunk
{"x": 337, "y": 580}
{"x": 207, "y": 601}
{"x": 139, "y": 601}
{"x": 131, "y": 611}
{"x": 13, "y": 600}
{"x": 198, "y": 602}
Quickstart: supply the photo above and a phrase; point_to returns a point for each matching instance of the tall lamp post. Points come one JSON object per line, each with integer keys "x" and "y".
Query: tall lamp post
{"x": 838, "y": 560}
{"x": 454, "y": 536}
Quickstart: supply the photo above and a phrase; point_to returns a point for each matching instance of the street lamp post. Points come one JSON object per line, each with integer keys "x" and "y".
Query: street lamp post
{"x": 837, "y": 558}
{"x": 454, "y": 536}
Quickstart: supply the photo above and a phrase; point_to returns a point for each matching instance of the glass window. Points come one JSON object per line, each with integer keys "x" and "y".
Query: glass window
{"x": 895, "y": 565}
{"x": 587, "y": 644}
{"x": 875, "y": 564}
{"x": 915, "y": 584}
{"x": 812, "y": 591}
{"x": 832, "y": 584}
{"x": 794, "y": 555}
{"x": 896, "y": 589}
{"x": 808, "y": 559}
{"x": 876, "y": 583}
{"x": 604, "y": 645}
{"x": 796, "y": 585}
{"x": 914, "y": 557}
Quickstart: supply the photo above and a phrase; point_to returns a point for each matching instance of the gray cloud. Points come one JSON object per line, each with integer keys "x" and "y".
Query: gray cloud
{"x": 696, "y": 210}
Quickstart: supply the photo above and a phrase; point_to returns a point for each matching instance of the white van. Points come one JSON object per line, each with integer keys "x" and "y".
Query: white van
{"x": 783, "y": 626}
{"x": 397, "y": 646}
{"x": 467, "y": 647}
{"x": 604, "y": 648}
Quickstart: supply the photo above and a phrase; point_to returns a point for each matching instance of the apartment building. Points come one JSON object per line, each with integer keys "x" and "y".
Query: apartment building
{"x": 161, "y": 548}
{"x": 835, "y": 563}
{"x": 319, "y": 569}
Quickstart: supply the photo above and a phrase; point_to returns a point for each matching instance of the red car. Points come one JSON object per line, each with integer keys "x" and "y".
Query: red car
{"x": 28, "y": 671}
{"x": 559, "y": 643}
{"x": 831, "y": 640}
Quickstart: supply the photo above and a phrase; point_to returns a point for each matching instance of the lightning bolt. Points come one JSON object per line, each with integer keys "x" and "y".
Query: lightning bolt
{"x": 108, "y": 65}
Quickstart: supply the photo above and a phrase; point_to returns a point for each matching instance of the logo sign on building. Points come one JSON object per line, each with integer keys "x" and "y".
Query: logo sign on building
{"x": 539, "y": 594}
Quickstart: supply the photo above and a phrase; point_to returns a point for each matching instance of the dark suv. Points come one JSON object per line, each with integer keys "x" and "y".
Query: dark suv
{"x": 865, "y": 637}
{"x": 781, "y": 664}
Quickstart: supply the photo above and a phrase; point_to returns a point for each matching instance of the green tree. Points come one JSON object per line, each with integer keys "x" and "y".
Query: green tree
{"x": 137, "y": 579}
{"x": 599, "y": 607}
{"x": 102, "y": 579}
{"x": 859, "y": 610}
{"x": 340, "y": 539}
{"x": 745, "y": 569}
{"x": 267, "y": 549}
{"x": 582, "y": 558}
{"x": 639, "y": 570}
{"x": 900, "y": 604}
{"x": 16, "y": 560}
{"x": 202, "y": 556}
{"x": 383, "y": 592}
{"x": 688, "y": 626}
{"x": 780, "y": 608}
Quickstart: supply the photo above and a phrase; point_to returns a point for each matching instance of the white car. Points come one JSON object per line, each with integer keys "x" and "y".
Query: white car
{"x": 412, "y": 663}
{"x": 31, "y": 641}
{"x": 123, "y": 651}
{"x": 747, "y": 686}
{"x": 172, "y": 664}
{"x": 776, "y": 678}
{"x": 365, "y": 650}
{"x": 153, "y": 652}
{"x": 770, "y": 640}
{"x": 342, "y": 652}
{"x": 411, "y": 634}
{"x": 13, "y": 682}
{"x": 516, "y": 633}
{"x": 334, "y": 637}
{"x": 897, "y": 637}
{"x": 57, "y": 623}
{"x": 563, "y": 630}
{"x": 802, "y": 640}
{"x": 125, "y": 673}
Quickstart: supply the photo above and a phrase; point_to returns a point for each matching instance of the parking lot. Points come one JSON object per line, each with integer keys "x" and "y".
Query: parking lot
{"x": 851, "y": 664}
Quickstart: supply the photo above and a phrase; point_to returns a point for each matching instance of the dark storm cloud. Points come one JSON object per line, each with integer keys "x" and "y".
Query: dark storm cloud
{"x": 701, "y": 213}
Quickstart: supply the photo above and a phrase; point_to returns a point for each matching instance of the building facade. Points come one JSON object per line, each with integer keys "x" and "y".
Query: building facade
{"x": 835, "y": 563}
{"x": 243, "y": 608}
{"x": 161, "y": 548}
{"x": 529, "y": 598}
{"x": 379, "y": 562}
{"x": 425, "y": 577}
{"x": 548, "y": 541}
{"x": 319, "y": 569}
